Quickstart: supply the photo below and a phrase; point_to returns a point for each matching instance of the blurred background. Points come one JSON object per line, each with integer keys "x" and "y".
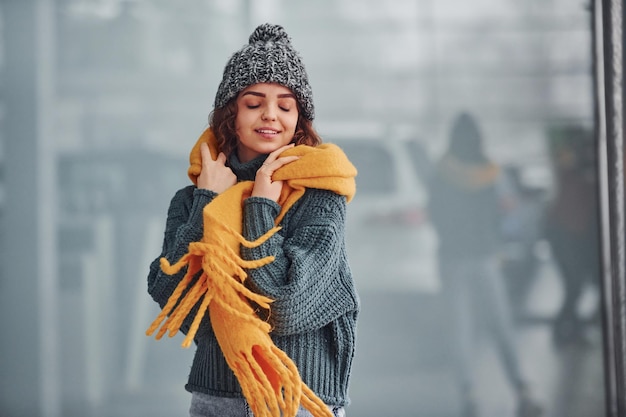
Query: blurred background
{"x": 101, "y": 100}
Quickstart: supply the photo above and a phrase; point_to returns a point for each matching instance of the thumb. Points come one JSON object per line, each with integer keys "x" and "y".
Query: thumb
{"x": 221, "y": 158}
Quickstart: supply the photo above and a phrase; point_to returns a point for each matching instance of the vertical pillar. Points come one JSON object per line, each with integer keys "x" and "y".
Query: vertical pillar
{"x": 28, "y": 363}
{"x": 608, "y": 71}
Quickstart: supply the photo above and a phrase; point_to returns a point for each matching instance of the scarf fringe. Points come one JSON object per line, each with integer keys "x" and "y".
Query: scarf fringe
{"x": 311, "y": 402}
{"x": 271, "y": 382}
{"x": 269, "y": 379}
{"x": 267, "y": 399}
{"x": 205, "y": 257}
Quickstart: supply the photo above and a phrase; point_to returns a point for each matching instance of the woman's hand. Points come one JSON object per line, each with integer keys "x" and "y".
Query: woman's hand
{"x": 215, "y": 175}
{"x": 263, "y": 184}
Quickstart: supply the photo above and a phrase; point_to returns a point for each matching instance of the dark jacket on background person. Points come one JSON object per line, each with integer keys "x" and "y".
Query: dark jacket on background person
{"x": 463, "y": 197}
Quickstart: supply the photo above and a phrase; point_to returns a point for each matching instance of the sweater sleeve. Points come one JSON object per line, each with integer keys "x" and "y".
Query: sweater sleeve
{"x": 183, "y": 226}
{"x": 310, "y": 280}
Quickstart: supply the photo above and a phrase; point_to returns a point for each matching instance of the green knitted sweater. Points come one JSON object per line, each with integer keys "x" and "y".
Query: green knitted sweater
{"x": 316, "y": 306}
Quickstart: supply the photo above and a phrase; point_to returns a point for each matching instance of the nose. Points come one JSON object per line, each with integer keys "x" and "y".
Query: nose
{"x": 269, "y": 113}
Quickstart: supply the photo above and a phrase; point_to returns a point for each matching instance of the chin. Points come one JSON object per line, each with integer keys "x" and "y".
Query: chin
{"x": 268, "y": 148}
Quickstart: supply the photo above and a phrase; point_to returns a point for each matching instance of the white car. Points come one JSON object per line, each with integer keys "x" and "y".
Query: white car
{"x": 391, "y": 245}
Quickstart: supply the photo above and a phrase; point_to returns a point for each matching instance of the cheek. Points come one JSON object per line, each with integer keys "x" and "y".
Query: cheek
{"x": 293, "y": 124}
{"x": 243, "y": 117}
{"x": 240, "y": 122}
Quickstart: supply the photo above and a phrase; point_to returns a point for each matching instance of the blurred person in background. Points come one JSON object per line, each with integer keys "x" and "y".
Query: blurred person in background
{"x": 523, "y": 217}
{"x": 571, "y": 229}
{"x": 289, "y": 204}
{"x": 464, "y": 206}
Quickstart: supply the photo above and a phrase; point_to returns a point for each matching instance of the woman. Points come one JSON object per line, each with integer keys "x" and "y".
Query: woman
{"x": 465, "y": 210}
{"x": 261, "y": 168}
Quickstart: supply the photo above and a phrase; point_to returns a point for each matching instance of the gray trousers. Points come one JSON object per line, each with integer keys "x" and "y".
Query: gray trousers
{"x": 471, "y": 283}
{"x": 204, "y": 405}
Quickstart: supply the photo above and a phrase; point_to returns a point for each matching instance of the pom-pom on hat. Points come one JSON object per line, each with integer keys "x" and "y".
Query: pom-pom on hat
{"x": 268, "y": 57}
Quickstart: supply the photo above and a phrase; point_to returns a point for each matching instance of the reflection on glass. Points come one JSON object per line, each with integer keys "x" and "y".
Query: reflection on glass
{"x": 133, "y": 84}
{"x": 466, "y": 199}
{"x": 571, "y": 229}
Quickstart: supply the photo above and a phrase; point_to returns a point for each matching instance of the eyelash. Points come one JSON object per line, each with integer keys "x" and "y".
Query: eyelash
{"x": 251, "y": 107}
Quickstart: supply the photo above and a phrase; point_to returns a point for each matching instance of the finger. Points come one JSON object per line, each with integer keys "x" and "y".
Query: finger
{"x": 221, "y": 158}
{"x": 205, "y": 153}
{"x": 277, "y": 163}
{"x": 284, "y": 160}
{"x": 272, "y": 156}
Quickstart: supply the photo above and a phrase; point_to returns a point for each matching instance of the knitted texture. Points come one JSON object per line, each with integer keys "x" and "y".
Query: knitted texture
{"x": 268, "y": 377}
{"x": 267, "y": 58}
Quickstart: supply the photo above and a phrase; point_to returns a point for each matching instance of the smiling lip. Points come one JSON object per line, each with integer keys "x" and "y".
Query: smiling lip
{"x": 267, "y": 133}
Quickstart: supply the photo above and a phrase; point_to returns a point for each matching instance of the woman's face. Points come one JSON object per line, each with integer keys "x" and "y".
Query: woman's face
{"x": 267, "y": 115}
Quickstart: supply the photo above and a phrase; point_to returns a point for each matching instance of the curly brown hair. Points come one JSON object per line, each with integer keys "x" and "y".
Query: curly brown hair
{"x": 222, "y": 121}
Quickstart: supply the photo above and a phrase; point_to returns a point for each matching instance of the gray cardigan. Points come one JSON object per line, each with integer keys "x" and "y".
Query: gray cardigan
{"x": 315, "y": 308}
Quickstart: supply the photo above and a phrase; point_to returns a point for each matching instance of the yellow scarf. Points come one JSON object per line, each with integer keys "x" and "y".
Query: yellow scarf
{"x": 269, "y": 379}
{"x": 467, "y": 175}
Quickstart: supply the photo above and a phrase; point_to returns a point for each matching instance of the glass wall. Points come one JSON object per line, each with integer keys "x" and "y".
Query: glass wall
{"x": 472, "y": 237}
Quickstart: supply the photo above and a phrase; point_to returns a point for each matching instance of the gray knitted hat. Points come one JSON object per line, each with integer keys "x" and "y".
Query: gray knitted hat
{"x": 267, "y": 58}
